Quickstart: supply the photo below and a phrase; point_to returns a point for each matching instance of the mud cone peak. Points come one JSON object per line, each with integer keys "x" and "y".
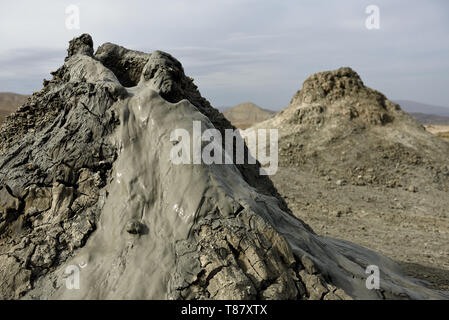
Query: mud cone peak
{"x": 81, "y": 45}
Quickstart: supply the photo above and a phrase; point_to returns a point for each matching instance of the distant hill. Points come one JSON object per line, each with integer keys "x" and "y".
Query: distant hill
{"x": 9, "y": 102}
{"x": 417, "y": 107}
{"x": 430, "y": 119}
{"x": 246, "y": 114}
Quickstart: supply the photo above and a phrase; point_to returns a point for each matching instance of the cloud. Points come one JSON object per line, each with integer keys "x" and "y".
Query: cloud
{"x": 256, "y": 50}
{"x": 23, "y": 69}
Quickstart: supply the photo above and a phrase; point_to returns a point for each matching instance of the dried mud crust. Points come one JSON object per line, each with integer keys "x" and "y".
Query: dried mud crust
{"x": 243, "y": 258}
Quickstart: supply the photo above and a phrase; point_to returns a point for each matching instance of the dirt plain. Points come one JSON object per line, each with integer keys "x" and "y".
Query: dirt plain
{"x": 439, "y": 130}
{"x": 409, "y": 226}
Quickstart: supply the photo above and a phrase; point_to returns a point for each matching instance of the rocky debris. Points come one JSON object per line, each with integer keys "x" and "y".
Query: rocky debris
{"x": 345, "y": 89}
{"x": 9, "y": 205}
{"x": 134, "y": 227}
{"x": 87, "y": 154}
{"x": 126, "y": 64}
{"x": 81, "y": 45}
{"x": 233, "y": 264}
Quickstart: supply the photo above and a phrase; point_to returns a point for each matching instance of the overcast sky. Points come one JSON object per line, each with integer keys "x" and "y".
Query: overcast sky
{"x": 245, "y": 50}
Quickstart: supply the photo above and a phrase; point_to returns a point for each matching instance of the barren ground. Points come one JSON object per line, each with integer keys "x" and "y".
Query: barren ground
{"x": 410, "y": 227}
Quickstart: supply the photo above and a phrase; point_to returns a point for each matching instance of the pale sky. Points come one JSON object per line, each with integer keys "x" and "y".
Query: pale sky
{"x": 246, "y": 50}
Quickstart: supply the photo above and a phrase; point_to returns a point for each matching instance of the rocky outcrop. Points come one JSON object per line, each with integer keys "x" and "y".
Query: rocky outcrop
{"x": 345, "y": 92}
{"x": 86, "y": 183}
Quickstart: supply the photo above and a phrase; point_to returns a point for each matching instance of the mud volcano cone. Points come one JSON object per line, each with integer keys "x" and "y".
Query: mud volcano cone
{"x": 88, "y": 188}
